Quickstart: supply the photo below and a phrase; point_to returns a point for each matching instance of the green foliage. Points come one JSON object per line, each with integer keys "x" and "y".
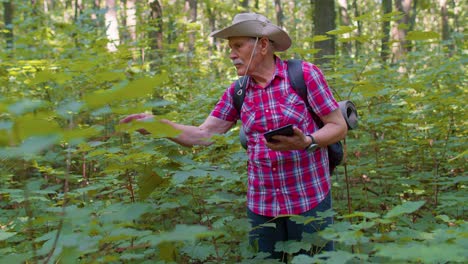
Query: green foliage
{"x": 77, "y": 186}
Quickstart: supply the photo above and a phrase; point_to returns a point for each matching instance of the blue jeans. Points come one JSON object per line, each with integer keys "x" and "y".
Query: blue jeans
{"x": 266, "y": 237}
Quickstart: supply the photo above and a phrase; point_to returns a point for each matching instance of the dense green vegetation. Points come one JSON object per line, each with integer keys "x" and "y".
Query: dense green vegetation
{"x": 75, "y": 186}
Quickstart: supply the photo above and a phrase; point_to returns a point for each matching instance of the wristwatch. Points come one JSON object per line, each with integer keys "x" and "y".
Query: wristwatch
{"x": 313, "y": 146}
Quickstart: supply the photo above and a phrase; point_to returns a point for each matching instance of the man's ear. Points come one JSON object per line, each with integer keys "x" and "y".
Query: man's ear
{"x": 264, "y": 42}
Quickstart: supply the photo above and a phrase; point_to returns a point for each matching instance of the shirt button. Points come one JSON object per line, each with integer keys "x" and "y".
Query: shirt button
{"x": 277, "y": 189}
{"x": 267, "y": 111}
{"x": 274, "y": 169}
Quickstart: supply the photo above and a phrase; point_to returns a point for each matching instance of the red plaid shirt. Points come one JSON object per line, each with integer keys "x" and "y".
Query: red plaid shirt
{"x": 282, "y": 182}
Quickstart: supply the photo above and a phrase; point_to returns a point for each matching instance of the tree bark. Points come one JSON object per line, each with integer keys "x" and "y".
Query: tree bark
{"x": 112, "y": 25}
{"x": 131, "y": 23}
{"x": 212, "y": 22}
{"x": 384, "y": 48}
{"x": 192, "y": 19}
{"x": 400, "y": 31}
{"x": 444, "y": 16}
{"x": 346, "y": 21}
{"x": 8, "y": 20}
{"x": 324, "y": 21}
{"x": 279, "y": 13}
{"x": 78, "y": 9}
{"x": 156, "y": 31}
{"x": 245, "y": 5}
{"x": 359, "y": 33}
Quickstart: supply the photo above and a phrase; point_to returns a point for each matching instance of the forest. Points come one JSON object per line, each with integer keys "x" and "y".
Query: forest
{"x": 76, "y": 186}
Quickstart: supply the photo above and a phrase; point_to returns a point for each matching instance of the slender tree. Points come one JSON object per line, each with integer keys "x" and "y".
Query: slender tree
{"x": 279, "y": 13}
{"x": 345, "y": 21}
{"x": 401, "y": 29}
{"x": 444, "y": 16}
{"x": 112, "y": 25}
{"x": 192, "y": 6}
{"x": 385, "y": 50}
{"x": 8, "y": 19}
{"x": 131, "y": 21}
{"x": 209, "y": 10}
{"x": 324, "y": 21}
{"x": 359, "y": 29}
{"x": 245, "y": 5}
{"x": 156, "y": 30}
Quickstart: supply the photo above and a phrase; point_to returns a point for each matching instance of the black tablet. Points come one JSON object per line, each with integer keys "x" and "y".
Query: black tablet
{"x": 283, "y": 131}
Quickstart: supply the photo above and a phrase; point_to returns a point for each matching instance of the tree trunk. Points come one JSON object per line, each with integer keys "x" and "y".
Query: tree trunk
{"x": 156, "y": 31}
{"x": 345, "y": 21}
{"x": 385, "y": 50}
{"x": 359, "y": 33}
{"x": 212, "y": 22}
{"x": 130, "y": 9}
{"x": 279, "y": 13}
{"x": 78, "y": 8}
{"x": 245, "y": 5}
{"x": 400, "y": 31}
{"x": 112, "y": 25}
{"x": 324, "y": 21}
{"x": 8, "y": 20}
{"x": 95, "y": 16}
{"x": 192, "y": 19}
{"x": 444, "y": 16}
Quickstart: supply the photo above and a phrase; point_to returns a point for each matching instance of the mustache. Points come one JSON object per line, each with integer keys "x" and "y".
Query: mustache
{"x": 237, "y": 61}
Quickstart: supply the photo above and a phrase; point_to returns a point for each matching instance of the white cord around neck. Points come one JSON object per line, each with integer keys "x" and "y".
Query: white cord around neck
{"x": 241, "y": 82}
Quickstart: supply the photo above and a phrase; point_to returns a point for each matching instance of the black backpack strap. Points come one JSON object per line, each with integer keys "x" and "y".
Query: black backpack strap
{"x": 296, "y": 76}
{"x": 239, "y": 93}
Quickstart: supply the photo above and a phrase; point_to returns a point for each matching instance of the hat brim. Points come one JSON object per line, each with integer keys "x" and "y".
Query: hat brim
{"x": 254, "y": 28}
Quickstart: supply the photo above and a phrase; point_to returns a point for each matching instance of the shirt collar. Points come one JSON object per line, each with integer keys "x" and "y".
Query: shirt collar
{"x": 280, "y": 68}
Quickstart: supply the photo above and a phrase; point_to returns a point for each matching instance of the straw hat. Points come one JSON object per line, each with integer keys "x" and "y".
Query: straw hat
{"x": 255, "y": 25}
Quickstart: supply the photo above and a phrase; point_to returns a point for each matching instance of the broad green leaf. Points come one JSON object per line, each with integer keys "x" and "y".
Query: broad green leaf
{"x": 291, "y": 246}
{"x": 135, "y": 89}
{"x": 406, "y": 208}
{"x": 25, "y": 106}
{"x": 189, "y": 233}
{"x": 109, "y": 76}
{"x": 341, "y": 30}
{"x": 368, "y": 215}
{"x": 422, "y": 35}
{"x": 78, "y": 133}
{"x": 302, "y": 259}
{"x": 5, "y": 235}
{"x": 40, "y": 124}
{"x": 392, "y": 16}
{"x": 333, "y": 257}
{"x": 43, "y": 76}
{"x": 366, "y": 16}
{"x": 319, "y": 38}
{"x": 155, "y": 127}
{"x": 15, "y": 258}
{"x": 30, "y": 147}
{"x": 70, "y": 254}
{"x": 147, "y": 182}
{"x": 418, "y": 252}
{"x": 51, "y": 76}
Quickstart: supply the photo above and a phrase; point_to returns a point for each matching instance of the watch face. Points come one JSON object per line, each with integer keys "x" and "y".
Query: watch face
{"x": 312, "y": 147}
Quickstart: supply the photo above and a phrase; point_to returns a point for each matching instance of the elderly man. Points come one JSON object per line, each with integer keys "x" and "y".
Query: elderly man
{"x": 287, "y": 176}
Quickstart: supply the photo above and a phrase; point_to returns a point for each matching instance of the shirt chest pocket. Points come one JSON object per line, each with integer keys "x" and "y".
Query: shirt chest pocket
{"x": 265, "y": 115}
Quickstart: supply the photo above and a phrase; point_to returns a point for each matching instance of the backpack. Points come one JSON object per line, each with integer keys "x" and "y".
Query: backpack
{"x": 335, "y": 151}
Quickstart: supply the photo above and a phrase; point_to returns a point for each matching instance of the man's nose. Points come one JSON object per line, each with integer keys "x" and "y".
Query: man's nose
{"x": 232, "y": 55}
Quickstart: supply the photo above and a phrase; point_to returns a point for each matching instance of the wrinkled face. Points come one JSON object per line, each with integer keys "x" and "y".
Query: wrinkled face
{"x": 241, "y": 51}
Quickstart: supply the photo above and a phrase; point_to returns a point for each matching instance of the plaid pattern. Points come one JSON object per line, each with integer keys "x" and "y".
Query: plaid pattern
{"x": 282, "y": 182}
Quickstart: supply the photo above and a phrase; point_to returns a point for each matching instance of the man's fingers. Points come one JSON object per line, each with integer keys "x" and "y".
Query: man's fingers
{"x": 139, "y": 116}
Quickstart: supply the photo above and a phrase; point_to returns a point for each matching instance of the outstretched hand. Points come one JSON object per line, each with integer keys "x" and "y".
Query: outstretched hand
{"x": 137, "y": 117}
{"x": 298, "y": 141}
